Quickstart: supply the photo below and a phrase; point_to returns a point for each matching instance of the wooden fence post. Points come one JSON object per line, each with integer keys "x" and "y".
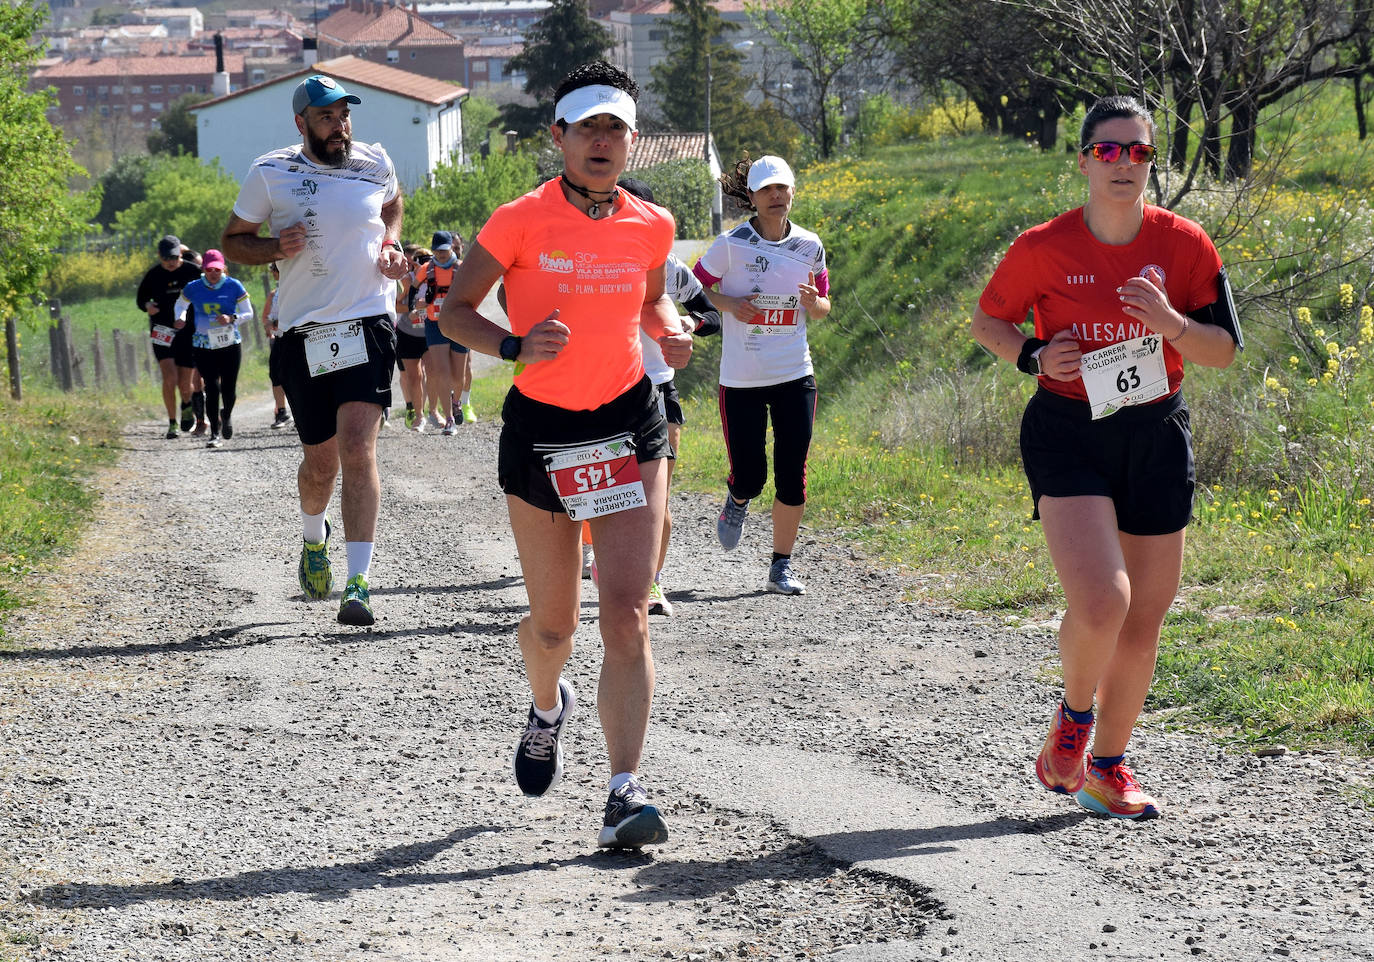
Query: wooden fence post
{"x": 98, "y": 361}
{"x": 118, "y": 337}
{"x": 131, "y": 359}
{"x": 12, "y": 350}
{"x": 74, "y": 359}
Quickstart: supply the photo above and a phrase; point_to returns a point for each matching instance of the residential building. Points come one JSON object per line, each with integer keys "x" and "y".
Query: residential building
{"x": 488, "y": 60}
{"x": 132, "y": 90}
{"x": 417, "y": 119}
{"x": 488, "y": 15}
{"x": 650, "y": 150}
{"x": 182, "y": 22}
{"x": 384, "y": 32}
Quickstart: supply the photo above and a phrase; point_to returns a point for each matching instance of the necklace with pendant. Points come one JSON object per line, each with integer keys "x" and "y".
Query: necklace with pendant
{"x": 594, "y": 211}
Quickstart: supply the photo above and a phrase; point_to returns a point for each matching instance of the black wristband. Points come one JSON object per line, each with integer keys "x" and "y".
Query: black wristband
{"x": 1032, "y": 345}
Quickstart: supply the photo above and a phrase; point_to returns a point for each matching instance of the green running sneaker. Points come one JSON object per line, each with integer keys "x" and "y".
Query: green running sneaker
{"x": 317, "y": 579}
{"x": 356, "y": 608}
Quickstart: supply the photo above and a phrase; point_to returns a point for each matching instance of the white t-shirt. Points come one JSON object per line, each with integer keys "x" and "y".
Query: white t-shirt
{"x": 680, "y": 285}
{"x": 336, "y": 277}
{"x": 754, "y": 355}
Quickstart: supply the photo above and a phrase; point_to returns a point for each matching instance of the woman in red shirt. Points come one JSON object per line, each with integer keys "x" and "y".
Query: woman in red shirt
{"x": 1122, "y": 292}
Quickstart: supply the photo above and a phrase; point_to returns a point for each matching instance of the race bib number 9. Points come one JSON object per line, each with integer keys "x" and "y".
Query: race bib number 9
{"x": 781, "y": 313}
{"x": 335, "y": 347}
{"x": 162, "y": 334}
{"x": 1120, "y": 375}
{"x": 598, "y": 479}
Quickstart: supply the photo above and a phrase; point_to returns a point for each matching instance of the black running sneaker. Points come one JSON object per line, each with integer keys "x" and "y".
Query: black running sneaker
{"x": 631, "y": 822}
{"x": 539, "y": 755}
{"x": 188, "y": 417}
{"x": 225, "y": 427}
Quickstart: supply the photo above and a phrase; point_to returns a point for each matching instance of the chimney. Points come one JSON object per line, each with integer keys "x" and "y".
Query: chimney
{"x": 219, "y": 86}
{"x": 309, "y": 51}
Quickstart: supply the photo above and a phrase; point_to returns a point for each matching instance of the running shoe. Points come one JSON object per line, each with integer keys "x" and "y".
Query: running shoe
{"x": 356, "y": 607}
{"x": 539, "y": 755}
{"x": 282, "y": 419}
{"x": 469, "y": 415}
{"x": 730, "y": 524}
{"x": 202, "y": 426}
{"x": 587, "y": 562}
{"x": 316, "y": 577}
{"x": 188, "y": 417}
{"x": 420, "y": 424}
{"x": 782, "y": 581}
{"x": 225, "y": 427}
{"x": 631, "y": 822}
{"x": 214, "y": 441}
{"x": 1061, "y": 765}
{"x": 433, "y": 423}
{"x": 171, "y": 428}
{"x": 1115, "y": 792}
{"x": 410, "y": 418}
{"x": 451, "y": 428}
{"x": 658, "y": 604}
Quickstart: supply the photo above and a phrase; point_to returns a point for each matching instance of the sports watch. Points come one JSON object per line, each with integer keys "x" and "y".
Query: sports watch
{"x": 510, "y": 347}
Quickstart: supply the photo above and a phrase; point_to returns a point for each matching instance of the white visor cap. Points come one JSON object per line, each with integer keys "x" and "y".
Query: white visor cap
{"x": 770, "y": 170}
{"x": 596, "y": 99}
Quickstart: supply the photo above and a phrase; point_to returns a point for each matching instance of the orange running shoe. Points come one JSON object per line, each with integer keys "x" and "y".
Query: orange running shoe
{"x": 1063, "y": 758}
{"x": 1114, "y": 791}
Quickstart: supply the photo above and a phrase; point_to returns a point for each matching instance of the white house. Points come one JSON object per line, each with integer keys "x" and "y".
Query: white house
{"x": 417, "y": 119}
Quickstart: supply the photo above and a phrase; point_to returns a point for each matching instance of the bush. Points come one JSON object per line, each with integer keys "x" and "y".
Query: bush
{"x": 684, "y": 187}
{"x": 81, "y": 276}
{"x": 182, "y": 197}
{"x": 461, "y": 199}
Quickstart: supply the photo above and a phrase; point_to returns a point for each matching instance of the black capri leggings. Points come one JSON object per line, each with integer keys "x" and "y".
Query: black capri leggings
{"x": 744, "y": 414}
{"x": 220, "y": 368}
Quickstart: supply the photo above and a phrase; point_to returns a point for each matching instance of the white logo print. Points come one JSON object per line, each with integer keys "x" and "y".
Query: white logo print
{"x": 1080, "y": 279}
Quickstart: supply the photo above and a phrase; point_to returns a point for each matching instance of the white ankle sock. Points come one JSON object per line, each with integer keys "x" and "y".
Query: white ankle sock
{"x": 312, "y": 527}
{"x": 359, "y": 557}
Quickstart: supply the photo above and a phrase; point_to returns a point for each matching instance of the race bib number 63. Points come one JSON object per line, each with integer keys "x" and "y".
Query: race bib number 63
{"x": 1123, "y": 374}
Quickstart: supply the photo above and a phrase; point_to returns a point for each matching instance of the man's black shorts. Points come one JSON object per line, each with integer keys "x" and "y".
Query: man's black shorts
{"x": 1141, "y": 457}
{"x": 179, "y": 350}
{"x": 315, "y": 401}
{"x": 520, "y": 469}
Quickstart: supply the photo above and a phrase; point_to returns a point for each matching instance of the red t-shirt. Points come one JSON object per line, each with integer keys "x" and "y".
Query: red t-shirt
{"x": 593, "y": 271}
{"x": 1069, "y": 279}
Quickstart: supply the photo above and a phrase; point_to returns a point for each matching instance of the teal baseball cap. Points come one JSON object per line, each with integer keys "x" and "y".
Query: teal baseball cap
{"x": 319, "y": 91}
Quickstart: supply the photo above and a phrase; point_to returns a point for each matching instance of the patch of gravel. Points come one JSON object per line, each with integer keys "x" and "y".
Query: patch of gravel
{"x": 200, "y": 765}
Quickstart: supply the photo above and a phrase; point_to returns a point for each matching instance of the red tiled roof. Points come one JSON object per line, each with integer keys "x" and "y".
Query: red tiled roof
{"x": 650, "y": 150}
{"x": 178, "y": 65}
{"x": 390, "y": 26}
{"x": 354, "y": 71}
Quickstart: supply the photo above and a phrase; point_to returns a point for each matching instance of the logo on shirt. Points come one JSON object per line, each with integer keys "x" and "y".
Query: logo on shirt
{"x": 1153, "y": 267}
{"x": 760, "y": 265}
{"x": 306, "y": 189}
{"x": 1072, "y": 279}
{"x": 557, "y": 262}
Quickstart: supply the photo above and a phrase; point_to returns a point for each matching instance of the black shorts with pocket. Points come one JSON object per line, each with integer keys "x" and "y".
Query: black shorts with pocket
{"x": 409, "y": 347}
{"x": 520, "y": 468}
{"x": 180, "y": 350}
{"x": 1141, "y": 457}
{"x": 670, "y": 403}
{"x": 315, "y": 401}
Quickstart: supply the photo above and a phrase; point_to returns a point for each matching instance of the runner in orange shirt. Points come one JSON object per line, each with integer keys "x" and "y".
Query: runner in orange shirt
{"x": 583, "y": 266}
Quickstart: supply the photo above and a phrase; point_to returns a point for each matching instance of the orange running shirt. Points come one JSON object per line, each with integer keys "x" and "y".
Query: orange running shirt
{"x": 1069, "y": 279}
{"x": 593, "y": 272}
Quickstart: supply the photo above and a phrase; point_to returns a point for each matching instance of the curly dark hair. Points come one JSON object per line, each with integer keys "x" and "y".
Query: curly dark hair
{"x": 596, "y": 72}
{"x": 734, "y": 182}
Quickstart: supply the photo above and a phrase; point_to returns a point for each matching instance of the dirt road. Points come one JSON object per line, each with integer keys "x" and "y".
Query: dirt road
{"x": 200, "y": 765}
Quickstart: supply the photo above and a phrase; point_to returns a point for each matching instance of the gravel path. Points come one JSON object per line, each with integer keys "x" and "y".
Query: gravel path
{"x": 200, "y": 765}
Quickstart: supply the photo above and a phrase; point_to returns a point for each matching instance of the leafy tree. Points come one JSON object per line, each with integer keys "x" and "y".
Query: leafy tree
{"x": 686, "y": 189}
{"x": 478, "y": 113}
{"x": 36, "y": 208}
{"x": 563, "y": 38}
{"x": 122, "y": 185}
{"x": 696, "y": 45}
{"x": 176, "y": 128}
{"x": 823, "y": 37}
{"x": 462, "y": 199}
{"x": 184, "y": 197}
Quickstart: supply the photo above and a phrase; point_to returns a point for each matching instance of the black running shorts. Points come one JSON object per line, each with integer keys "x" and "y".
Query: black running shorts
{"x": 1141, "y": 457}
{"x": 520, "y": 469}
{"x": 670, "y": 403}
{"x": 315, "y": 401}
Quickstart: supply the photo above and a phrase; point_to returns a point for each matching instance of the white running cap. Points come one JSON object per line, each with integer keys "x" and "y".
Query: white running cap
{"x": 770, "y": 170}
{"x": 596, "y": 99}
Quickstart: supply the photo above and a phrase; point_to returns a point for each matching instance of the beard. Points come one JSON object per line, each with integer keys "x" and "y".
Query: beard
{"x": 320, "y": 148}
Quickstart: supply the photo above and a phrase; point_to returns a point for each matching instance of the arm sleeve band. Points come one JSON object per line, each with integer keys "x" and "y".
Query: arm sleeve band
{"x": 704, "y": 312}
{"x": 1222, "y": 311}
